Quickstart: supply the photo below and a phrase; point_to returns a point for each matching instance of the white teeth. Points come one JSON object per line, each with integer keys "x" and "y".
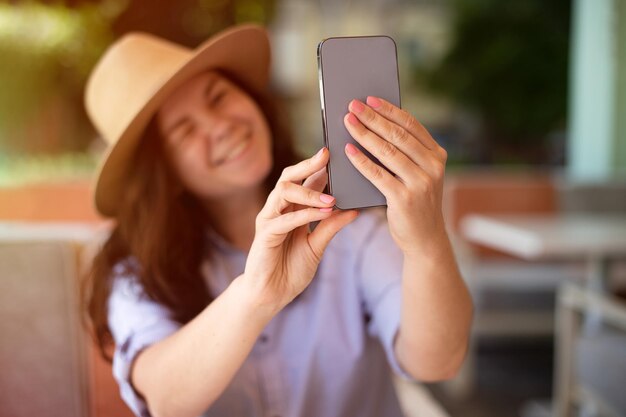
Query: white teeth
{"x": 236, "y": 151}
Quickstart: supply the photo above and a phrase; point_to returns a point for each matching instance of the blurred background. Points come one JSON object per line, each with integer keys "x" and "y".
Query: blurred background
{"x": 528, "y": 97}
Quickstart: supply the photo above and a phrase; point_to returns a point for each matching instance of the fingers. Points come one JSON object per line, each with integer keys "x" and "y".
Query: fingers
{"x": 286, "y": 193}
{"x": 396, "y": 134}
{"x": 377, "y": 175}
{"x": 289, "y": 191}
{"x": 387, "y": 153}
{"x": 392, "y": 142}
{"x": 328, "y": 228}
{"x": 294, "y": 219}
{"x": 405, "y": 120}
{"x": 317, "y": 181}
{"x": 306, "y": 168}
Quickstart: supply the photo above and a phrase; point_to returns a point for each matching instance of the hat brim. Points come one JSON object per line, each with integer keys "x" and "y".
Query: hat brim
{"x": 242, "y": 51}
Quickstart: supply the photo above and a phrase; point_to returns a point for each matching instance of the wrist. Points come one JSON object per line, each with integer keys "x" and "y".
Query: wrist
{"x": 436, "y": 247}
{"x": 256, "y": 298}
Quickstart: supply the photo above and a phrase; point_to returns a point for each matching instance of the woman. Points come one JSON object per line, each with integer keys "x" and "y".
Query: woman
{"x": 214, "y": 292}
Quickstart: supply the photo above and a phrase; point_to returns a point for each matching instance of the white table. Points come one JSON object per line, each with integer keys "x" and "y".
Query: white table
{"x": 596, "y": 239}
{"x": 593, "y": 238}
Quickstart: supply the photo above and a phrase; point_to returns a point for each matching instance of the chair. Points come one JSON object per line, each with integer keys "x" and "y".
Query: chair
{"x": 42, "y": 350}
{"x": 49, "y": 364}
{"x": 590, "y": 366}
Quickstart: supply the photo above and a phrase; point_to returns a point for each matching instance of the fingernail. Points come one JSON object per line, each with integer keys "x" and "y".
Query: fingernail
{"x": 357, "y": 106}
{"x": 319, "y": 153}
{"x": 327, "y": 198}
{"x": 351, "y": 149}
{"x": 373, "y": 102}
{"x": 353, "y": 119}
{"x": 326, "y": 209}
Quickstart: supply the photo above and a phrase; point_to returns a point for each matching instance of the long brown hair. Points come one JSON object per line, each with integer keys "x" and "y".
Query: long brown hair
{"x": 164, "y": 229}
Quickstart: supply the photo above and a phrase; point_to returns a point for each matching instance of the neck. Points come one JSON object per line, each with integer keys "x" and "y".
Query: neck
{"x": 233, "y": 217}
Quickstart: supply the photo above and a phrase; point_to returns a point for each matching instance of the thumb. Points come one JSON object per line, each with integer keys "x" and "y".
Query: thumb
{"x": 328, "y": 228}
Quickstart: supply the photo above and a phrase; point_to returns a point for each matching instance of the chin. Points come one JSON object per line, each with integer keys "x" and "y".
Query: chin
{"x": 259, "y": 172}
{"x": 252, "y": 169}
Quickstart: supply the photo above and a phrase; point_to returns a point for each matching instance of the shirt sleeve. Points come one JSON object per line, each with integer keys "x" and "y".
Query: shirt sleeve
{"x": 136, "y": 322}
{"x": 379, "y": 272}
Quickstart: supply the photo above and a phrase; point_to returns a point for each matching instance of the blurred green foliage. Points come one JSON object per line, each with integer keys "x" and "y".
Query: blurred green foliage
{"x": 24, "y": 169}
{"x": 202, "y": 18}
{"x": 508, "y": 62}
{"x": 48, "y": 49}
{"x": 47, "y": 52}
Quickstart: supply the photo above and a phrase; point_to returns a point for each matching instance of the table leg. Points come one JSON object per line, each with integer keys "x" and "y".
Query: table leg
{"x": 597, "y": 277}
{"x": 566, "y": 332}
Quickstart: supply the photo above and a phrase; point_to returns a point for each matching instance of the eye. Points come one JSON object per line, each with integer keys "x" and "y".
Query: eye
{"x": 183, "y": 133}
{"x": 218, "y": 98}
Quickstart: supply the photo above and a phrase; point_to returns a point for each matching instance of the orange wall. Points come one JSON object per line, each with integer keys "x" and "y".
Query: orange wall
{"x": 67, "y": 201}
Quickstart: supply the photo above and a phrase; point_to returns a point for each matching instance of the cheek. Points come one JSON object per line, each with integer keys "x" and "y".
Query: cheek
{"x": 188, "y": 167}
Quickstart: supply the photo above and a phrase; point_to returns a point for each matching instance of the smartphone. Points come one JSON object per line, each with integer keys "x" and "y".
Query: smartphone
{"x": 353, "y": 67}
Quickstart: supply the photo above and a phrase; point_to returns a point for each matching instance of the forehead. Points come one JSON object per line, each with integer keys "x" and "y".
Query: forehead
{"x": 187, "y": 93}
{"x": 192, "y": 84}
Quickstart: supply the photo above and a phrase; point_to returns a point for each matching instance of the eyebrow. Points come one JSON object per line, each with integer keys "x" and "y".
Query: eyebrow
{"x": 207, "y": 91}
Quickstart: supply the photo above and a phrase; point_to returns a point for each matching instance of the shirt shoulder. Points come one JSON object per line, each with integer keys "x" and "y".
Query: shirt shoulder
{"x": 125, "y": 280}
{"x": 130, "y": 309}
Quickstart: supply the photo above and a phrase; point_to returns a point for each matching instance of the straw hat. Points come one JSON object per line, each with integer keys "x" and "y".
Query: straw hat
{"x": 139, "y": 71}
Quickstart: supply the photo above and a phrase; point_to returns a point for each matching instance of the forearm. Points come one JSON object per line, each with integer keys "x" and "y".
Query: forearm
{"x": 184, "y": 374}
{"x": 436, "y": 313}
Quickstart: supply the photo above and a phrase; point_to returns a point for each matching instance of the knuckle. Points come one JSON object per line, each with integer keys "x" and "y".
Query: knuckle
{"x": 377, "y": 173}
{"x": 285, "y": 172}
{"x": 439, "y": 170}
{"x": 398, "y": 134}
{"x": 407, "y": 119}
{"x": 410, "y": 122}
{"x": 387, "y": 149}
{"x": 281, "y": 187}
{"x": 368, "y": 116}
{"x": 443, "y": 153}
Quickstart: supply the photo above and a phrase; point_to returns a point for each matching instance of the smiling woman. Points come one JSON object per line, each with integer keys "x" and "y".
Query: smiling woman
{"x": 213, "y": 129}
{"x": 200, "y": 289}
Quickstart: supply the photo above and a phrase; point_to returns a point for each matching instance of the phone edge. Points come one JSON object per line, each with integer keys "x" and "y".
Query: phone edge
{"x": 323, "y": 110}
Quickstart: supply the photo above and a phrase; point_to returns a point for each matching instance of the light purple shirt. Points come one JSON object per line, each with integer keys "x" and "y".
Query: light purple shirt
{"x": 328, "y": 353}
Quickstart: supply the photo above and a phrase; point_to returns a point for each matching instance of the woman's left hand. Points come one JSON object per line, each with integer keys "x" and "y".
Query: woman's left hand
{"x": 405, "y": 147}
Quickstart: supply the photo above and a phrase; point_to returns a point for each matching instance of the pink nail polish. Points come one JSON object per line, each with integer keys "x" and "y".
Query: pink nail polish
{"x": 351, "y": 149}
{"x": 373, "y": 102}
{"x": 357, "y": 106}
{"x": 319, "y": 153}
{"x": 326, "y": 209}
{"x": 327, "y": 198}
{"x": 353, "y": 119}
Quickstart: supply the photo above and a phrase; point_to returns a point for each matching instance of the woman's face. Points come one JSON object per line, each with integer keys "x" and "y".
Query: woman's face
{"x": 216, "y": 136}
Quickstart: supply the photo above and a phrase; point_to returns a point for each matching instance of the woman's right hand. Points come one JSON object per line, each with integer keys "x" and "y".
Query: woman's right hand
{"x": 284, "y": 255}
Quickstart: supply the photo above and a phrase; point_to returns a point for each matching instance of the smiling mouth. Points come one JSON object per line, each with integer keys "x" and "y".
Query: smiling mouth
{"x": 234, "y": 151}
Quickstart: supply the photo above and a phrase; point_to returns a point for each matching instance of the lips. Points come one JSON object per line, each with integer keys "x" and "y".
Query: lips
{"x": 233, "y": 151}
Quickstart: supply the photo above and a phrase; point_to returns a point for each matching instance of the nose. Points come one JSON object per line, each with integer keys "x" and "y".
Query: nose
{"x": 213, "y": 126}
